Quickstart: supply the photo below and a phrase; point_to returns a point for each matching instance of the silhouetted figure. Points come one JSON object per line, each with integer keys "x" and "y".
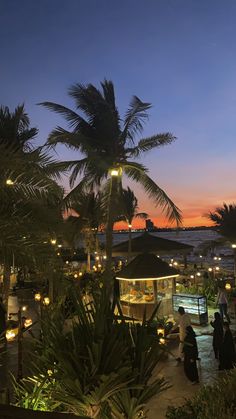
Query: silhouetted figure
{"x": 218, "y": 334}
{"x": 223, "y": 303}
{"x": 190, "y": 351}
{"x": 227, "y": 350}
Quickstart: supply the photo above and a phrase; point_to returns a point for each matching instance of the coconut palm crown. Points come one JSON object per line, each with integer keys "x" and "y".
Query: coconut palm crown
{"x": 109, "y": 148}
{"x": 107, "y": 142}
{"x": 224, "y": 219}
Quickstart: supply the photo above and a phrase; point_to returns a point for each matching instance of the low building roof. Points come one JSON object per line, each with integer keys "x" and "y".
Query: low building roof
{"x": 147, "y": 266}
{"x": 149, "y": 243}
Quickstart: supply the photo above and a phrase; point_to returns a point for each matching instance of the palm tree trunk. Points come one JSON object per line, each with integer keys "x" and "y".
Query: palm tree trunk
{"x": 234, "y": 266}
{"x": 6, "y": 284}
{"x": 129, "y": 245}
{"x": 88, "y": 261}
{"x": 109, "y": 226}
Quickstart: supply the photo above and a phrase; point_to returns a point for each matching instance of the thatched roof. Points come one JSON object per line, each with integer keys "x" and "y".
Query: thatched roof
{"x": 149, "y": 243}
{"x": 147, "y": 265}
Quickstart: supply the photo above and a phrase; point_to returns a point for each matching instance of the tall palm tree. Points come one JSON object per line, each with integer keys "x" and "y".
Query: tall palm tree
{"x": 224, "y": 219}
{"x": 90, "y": 216}
{"x": 108, "y": 146}
{"x": 129, "y": 212}
{"x": 27, "y": 189}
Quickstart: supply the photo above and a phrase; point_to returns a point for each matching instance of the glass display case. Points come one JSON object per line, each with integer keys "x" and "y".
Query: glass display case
{"x": 194, "y": 305}
{"x": 137, "y": 294}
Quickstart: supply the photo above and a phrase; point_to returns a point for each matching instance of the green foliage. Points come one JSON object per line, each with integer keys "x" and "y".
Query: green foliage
{"x": 216, "y": 401}
{"x": 100, "y": 365}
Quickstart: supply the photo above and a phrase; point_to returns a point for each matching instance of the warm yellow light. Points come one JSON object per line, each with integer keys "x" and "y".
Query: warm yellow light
{"x": 46, "y": 301}
{"x": 75, "y": 276}
{"x": 191, "y": 276}
{"x": 24, "y": 308}
{"x": 114, "y": 172}
{"x": 234, "y": 246}
{"x": 217, "y": 268}
{"x": 147, "y": 279}
{"x": 28, "y": 322}
{"x": 58, "y": 254}
{"x": 10, "y": 335}
{"x": 130, "y": 225}
{"x": 175, "y": 263}
{"x": 59, "y": 245}
{"x": 162, "y": 341}
{"x": 80, "y": 273}
{"x": 97, "y": 257}
{"x": 219, "y": 258}
{"x": 37, "y": 296}
{"x": 95, "y": 268}
{"x": 67, "y": 262}
{"x": 53, "y": 241}
{"x": 161, "y": 331}
{"x": 170, "y": 264}
{"x": 99, "y": 265}
{"x": 215, "y": 258}
{"x": 228, "y": 286}
{"x": 104, "y": 257}
{"x": 200, "y": 256}
{"x": 9, "y": 182}
{"x": 198, "y": 274}
{"x": 210, "y": 269}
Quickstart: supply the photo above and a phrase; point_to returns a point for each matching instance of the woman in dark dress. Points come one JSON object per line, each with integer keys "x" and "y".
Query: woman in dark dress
{"x": 227, "y": 351}
{"x": 218, "y": 334}
{"x": 190, "y": 355}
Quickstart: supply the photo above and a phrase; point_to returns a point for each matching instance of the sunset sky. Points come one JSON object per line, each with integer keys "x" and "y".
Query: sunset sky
{"x": 180, "y": 55}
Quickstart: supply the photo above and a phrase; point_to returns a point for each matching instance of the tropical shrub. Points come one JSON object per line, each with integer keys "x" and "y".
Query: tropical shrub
{"x": 216, "y": 401}
{"x": 94, "y": 363}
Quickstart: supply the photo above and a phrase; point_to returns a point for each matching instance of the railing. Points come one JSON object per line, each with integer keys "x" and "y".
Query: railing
{"x": 11, "y": 412}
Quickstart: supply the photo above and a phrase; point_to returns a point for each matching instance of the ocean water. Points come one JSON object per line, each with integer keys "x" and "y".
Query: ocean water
{"x": 194, "y": 238}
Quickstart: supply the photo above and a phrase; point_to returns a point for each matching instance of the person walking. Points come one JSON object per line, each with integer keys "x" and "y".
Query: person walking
{"x": 190, "y": 351}
{"x": 183, "y": 321}
{"x": 227, "y": 356}
{"x": 218, "y": 333}
{"x": 222, "y": 301}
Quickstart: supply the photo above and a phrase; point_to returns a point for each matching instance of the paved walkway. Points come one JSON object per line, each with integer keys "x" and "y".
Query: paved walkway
{"x": 181, "y": 388}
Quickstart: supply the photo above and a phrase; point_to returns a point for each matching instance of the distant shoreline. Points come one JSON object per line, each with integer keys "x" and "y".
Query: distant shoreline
{"x": 156, "y": 230}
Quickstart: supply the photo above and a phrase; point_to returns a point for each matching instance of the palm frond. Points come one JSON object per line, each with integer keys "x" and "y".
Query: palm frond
{"x": 147, "y": 144}
{"x": 155, "y": 192}
{"x": 134, "y": 118}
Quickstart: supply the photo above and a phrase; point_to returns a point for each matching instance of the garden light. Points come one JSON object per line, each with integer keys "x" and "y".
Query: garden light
{"x": 28, "y": 322}
{"x": 162, "y": 341}
{"x": 46, "y": 301}
{"x": 228, "y": 286}
{"x": 53, "y": 241}
{"x": 75, "y": 276}
{"x": 234, "y": 246}
{"x": 37, "y": 296}
{"x": 24, "y": 308}
{"x": 10, "y": 335}
{"x": 80, "y": 273}
{"x": 161, "y": 331}
{"x": 9, "y": 182}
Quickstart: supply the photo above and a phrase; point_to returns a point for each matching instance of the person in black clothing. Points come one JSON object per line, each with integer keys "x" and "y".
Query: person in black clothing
{"x": 227, "y": 354}
{"x": 218, "y": 334}
{"x": 190, "y": 355}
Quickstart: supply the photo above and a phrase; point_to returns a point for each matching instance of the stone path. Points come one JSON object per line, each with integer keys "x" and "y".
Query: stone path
{"x": 181, "y": 388}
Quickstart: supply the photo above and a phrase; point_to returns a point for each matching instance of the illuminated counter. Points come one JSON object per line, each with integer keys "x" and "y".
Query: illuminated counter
{"x": 144, "y": 282}
{"x": 194, "y": 305}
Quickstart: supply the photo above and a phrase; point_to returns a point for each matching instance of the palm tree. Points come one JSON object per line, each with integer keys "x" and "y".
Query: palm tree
{"x": 224, "y": 219}
{"x": 108, "y": 146}
{"x": 129, "y": 212}
{"x": 90, "y": 216}
{"x": 27, "y": 189}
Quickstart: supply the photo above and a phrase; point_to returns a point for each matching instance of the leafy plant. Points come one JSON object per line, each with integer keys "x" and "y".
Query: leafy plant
{"x": 212, "y": 401}
{"x": 99, "y": 364}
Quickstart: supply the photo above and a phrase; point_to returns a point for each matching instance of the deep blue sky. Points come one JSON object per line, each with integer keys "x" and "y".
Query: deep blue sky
{"x": 180, "y": 55}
